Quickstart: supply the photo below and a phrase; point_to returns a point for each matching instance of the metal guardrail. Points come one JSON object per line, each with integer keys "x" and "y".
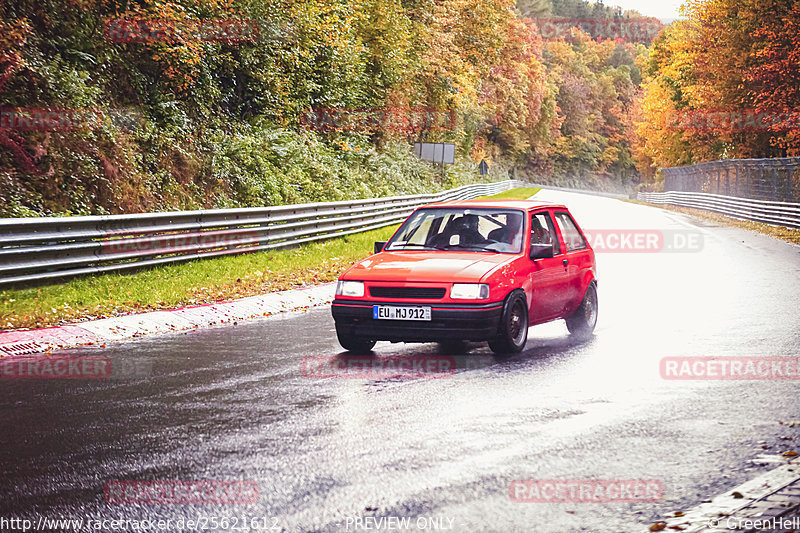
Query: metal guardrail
{"x": 775, "y": 213}
{"x": 33, "y": 249}
{"x": 776, "y": 179}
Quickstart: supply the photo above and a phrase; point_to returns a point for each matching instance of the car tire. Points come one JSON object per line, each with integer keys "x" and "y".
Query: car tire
{"x": 356, "y": 345}
{"x": 513, "y": 329}
{"x": 581, "y": 323}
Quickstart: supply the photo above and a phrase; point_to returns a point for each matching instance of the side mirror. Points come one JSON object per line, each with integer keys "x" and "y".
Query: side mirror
{"x": 541, "y": 251}
{"x": 379, "y": 246}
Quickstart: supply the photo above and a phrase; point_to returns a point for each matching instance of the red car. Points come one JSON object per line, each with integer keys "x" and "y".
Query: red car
{"x": 476, "y": 270}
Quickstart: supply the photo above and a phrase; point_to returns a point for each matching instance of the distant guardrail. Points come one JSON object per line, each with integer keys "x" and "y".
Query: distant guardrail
{"x": 775, "y": 179}
{"x": 581, "y": 191}
{"x": 776, "y": 213}
{"x": 34, "y": 249}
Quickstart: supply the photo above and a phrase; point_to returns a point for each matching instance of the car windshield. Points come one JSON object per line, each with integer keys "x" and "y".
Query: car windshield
{"x": 457, "y": 229}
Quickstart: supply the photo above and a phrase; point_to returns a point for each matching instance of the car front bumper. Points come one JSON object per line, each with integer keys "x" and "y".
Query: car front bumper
{"x": 469, "y": 322}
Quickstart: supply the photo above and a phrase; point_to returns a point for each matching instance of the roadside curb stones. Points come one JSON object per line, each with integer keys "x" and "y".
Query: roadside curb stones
{"x": 772, "y": 498}
{"x": 25, "y": 342}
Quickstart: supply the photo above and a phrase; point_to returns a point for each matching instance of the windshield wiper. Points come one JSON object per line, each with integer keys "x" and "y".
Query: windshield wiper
{"x": 415, "y": 245}
{"x": 467, "y": 247}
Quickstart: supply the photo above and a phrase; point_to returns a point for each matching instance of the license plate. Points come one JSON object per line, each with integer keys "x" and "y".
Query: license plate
{"x": 386, "y": 312}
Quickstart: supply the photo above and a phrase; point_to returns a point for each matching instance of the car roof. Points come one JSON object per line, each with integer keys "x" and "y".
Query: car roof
{"x": 500, "y": 204}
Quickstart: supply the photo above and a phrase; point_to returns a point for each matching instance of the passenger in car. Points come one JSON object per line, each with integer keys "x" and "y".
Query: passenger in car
{"x": 509, "y": 235}
{"x": 539, "y": 235}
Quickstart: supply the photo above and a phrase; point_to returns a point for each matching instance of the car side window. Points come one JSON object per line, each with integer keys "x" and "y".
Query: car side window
{"x": 543, "y": 232}
{"x": 573, "y": 239}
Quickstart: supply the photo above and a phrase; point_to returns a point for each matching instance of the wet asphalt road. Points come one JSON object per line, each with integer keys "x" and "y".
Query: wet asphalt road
{"x": 232, "y": 403}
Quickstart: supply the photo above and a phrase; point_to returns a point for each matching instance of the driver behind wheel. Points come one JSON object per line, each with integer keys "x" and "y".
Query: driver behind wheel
{"x": 467, "y": 230}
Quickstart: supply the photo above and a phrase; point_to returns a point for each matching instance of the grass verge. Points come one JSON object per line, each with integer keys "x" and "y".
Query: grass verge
{"x": 192, "y": 283}
{"x": 521, "y": 193}
{"x": 779, "y": 232}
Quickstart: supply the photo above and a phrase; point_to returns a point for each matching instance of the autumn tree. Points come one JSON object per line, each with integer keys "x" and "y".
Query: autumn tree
{"x": 725, "y": 60}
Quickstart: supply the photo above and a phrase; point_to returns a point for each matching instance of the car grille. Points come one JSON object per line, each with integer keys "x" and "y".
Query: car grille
{"x": 420, "y": 293}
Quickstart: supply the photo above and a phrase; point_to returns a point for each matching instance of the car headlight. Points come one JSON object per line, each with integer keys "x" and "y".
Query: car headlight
{"x": 350, "y": 288}
{"x": 469, "y": 291}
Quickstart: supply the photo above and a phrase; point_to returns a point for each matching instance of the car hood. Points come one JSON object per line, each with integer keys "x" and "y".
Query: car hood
{"x": 427, "y": 266}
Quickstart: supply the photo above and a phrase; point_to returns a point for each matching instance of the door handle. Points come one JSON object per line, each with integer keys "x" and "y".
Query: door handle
{"x": 565, "y": 262}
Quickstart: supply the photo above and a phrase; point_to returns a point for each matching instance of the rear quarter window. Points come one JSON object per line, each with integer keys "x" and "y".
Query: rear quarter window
{"x": 573, "y": 240}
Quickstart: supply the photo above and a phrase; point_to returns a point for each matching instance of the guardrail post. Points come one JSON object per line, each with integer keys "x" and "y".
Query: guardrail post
{"x": 744, "y": 175}
{"x": 728, "y": 178}
{"x": 775, "y": 195}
